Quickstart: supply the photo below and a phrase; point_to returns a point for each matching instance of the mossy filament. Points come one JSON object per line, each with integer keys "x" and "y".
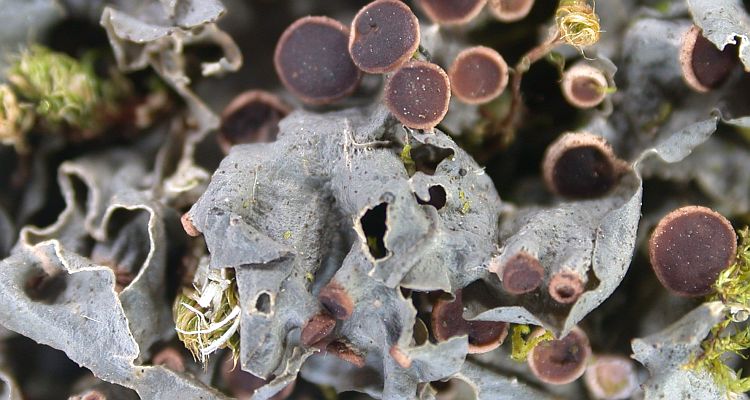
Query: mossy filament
{"x": 208, "y": 320}
{"x": 731, "y": 335}
{"x": 521, "y": 346}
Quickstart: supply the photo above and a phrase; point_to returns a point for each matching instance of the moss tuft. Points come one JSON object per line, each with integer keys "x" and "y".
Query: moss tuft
{"x": 731, "y": 336}
{"x": 521, "y": 346}
{"x": 204, "y": 330}
{"x": 577, "y": 23}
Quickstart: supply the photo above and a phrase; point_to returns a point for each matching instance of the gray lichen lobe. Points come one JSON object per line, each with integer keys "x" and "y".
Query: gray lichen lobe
{"x": 60, "y": 281}
{"x": 273, "y": 211}
{"x": 154, "y": 33}
{"x": 666, "y": 353}
{"x": 724, "y": 22}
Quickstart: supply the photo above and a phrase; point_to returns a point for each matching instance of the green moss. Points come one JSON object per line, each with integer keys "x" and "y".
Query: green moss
{"x": 577, "y": 23}
{"x": 731, "y": 335}
{"x": 522, "y": 345}
{"x": 198, "y": 328}
{"x": 63, "y": 91}
{"x": 16, "y": 119}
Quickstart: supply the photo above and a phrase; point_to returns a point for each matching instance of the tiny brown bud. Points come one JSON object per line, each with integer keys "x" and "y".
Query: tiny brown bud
{"x": 522, "y": 273}
{"x": 187, "y": 225}
{"x": 400, "y": 357}
{"x": 565, "y": 287}
{"x": 346, "y": 353}
{"x": 252, "y": 117}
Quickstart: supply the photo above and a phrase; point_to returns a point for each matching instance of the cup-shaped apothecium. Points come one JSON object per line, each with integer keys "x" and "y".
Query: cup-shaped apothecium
{"x": 452, "y": 12}
{"x": 448, "y": 321}
{"x": 171, "y": 358}
{"x": 317, "y": 329}
{"x": 565, "y": 287}
{"x": 418, "y": 94}
{"x": 384, "y": 35}
{"x": 581, "y": 165}
{"x": 522, "y": 273}
{"x": 704, "y": 66}
{"x": 510, "y": 10}
{"x": 336, "y": 300}
{"x": 611, "y": 377}
{"x": 689, "y": 248}
{"x": 313, "y": 62}
{"x": 584, "y": 86}
{"x": 478, "y": 75}
{"x": 562, "y": 360}
{"x": 252, "y": 117}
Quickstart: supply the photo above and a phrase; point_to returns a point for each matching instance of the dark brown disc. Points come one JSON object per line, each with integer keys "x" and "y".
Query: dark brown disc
{"x": 522, "y": 273}
{"x": 689, "y": 248}
{"x": 312, "y": 60}
{"x": 447, "y": 322}
{"x": 478, "y": 75}
{"x": 581, "y": 166}
{"x": 704, "y": 66}
{"x": 510, "y": 10}
{"x": 252, "y": 117}
{"x": 384, "y": 35}
{"x": 452, "y": 12}
{"x": 418, "y": 94}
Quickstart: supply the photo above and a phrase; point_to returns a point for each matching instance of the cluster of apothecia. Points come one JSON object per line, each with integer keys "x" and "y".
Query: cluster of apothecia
{"x": 320, "y": 60}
